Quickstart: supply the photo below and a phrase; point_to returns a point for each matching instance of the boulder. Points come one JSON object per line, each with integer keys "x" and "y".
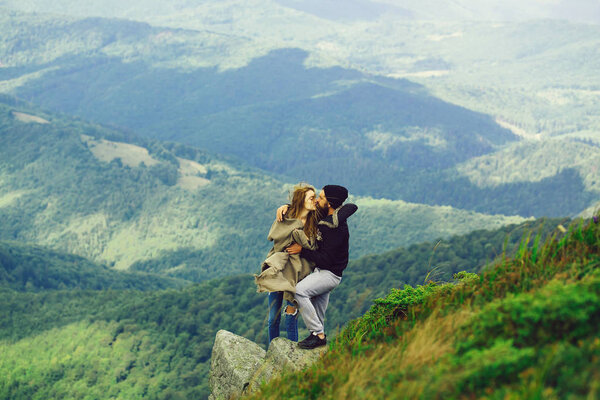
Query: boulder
{"x": 234, "y": 360}
{"x": 283, "y": 355}
{"x": 239, "y": 366}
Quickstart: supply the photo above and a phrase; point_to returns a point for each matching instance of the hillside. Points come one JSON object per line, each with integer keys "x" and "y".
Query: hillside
{"x": 118, "y": 343}
{"x": 525, "y": 328}
{"x": 134, "y": 344}
{"x": 317, "y": 124}
{"x": 59, "y": 189}
{"x": 32, "y": 268}
{"x": 164, "y": 207}
{"x": 308, "y": 109}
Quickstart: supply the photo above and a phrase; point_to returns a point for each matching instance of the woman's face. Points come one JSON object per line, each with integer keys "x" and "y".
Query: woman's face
{"x": 309, "y": 200}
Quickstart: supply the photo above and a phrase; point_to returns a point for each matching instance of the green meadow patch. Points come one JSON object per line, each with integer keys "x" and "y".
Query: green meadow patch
{"x": 526, "y": 327}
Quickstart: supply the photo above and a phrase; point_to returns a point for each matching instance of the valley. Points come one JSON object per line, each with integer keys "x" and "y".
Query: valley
{"x": 145, "y": 146}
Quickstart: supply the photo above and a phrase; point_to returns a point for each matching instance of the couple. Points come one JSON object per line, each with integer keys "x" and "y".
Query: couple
{"x": 309, "y": 255}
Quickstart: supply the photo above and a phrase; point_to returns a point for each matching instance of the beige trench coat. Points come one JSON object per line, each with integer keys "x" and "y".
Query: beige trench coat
{"x": 280, "y": 272}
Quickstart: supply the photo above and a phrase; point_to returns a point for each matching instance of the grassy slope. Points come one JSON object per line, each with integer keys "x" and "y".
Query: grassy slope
{"x": 525, "y": 328}
{"x": 368, "y": 278}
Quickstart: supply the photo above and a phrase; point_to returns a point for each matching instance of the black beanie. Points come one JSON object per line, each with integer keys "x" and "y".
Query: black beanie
{"x": 335, "y": 195}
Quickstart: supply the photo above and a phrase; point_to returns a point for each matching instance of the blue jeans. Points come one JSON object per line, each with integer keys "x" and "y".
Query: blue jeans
{"x": 291, "y": 321}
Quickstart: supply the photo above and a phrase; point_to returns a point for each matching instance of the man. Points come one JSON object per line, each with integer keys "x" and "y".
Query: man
{"x": 331, "y": 258}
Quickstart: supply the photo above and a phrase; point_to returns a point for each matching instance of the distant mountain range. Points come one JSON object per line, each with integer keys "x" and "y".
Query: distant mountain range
{"x": 352, "y": 10}
{"x": 166, "y": 208}
{"x": 315, "y": 124}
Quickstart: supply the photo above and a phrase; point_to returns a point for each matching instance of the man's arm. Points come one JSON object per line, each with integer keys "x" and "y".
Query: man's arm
{"x": 324, "y": 255}
{"x": 319, "y": 256}
{"x": 294, "y": 248}
{"x": 346, "y": 211}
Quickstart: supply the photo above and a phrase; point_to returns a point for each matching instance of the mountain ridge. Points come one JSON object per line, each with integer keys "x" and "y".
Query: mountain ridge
{"x": 173, "y": 214}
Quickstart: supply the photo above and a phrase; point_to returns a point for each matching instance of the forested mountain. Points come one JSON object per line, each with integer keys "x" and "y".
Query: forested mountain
{"x": 156, "y": 344}
{"x": 278, "y": 115}
{"x": 26, "y": 267}
{"x": 318, "y": 124}
{"x": 287, "y": 112}
{"x": 165, "y": 207}
{"x": 203, "y": 116}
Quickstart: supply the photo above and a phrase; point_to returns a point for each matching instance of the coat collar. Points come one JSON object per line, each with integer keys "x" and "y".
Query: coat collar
{"x": 332, "y": 221}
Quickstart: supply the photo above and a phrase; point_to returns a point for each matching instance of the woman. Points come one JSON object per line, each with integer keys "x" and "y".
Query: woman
{"x": 282, "y": 271}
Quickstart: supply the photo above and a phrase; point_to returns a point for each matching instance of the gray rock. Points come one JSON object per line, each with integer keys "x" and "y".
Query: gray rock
{"x": 234, "y": 360}
{"x": 283, "y": 355}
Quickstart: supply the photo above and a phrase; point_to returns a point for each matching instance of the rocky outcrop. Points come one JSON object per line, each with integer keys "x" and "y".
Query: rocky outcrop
{"x": 233, "y": 362}
{"x": 283, "y": 355}
{"x": 238, "y": 367}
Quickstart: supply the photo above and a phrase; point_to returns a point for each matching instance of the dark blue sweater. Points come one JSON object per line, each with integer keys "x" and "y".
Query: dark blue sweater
{"x": 332, "y": 253}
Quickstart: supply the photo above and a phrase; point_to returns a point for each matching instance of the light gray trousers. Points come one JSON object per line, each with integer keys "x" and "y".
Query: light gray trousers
{"x": 312, "y": 295}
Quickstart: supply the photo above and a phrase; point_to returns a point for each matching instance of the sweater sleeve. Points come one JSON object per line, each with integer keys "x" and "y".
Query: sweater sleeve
{"x": 346, "y": 211}
{"x": 319, "y": 256}
{"x": 325, "y": 255}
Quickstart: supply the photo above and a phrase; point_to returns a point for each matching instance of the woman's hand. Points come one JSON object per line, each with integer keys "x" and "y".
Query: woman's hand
{"x": 281, "y": 212}
{"x": 294, "y": 248}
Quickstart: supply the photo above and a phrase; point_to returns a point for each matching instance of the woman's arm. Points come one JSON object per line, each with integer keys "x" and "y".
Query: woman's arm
{"x": 281, "y": 211}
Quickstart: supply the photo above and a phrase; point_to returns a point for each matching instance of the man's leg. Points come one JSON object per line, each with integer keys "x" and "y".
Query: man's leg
{"x": 314, "y": 285}
{"x": 320, "y": 303}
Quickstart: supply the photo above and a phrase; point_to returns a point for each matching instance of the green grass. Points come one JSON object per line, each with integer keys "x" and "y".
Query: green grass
{"x": 525, "y": 328}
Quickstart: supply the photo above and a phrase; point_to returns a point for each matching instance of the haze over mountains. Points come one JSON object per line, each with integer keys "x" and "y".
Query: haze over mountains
{"x": 578, "y": 11}
{"x": 327, "y": 107}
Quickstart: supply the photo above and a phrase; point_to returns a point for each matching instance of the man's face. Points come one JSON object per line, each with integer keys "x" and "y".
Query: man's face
{"x": 322, "y": 203}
